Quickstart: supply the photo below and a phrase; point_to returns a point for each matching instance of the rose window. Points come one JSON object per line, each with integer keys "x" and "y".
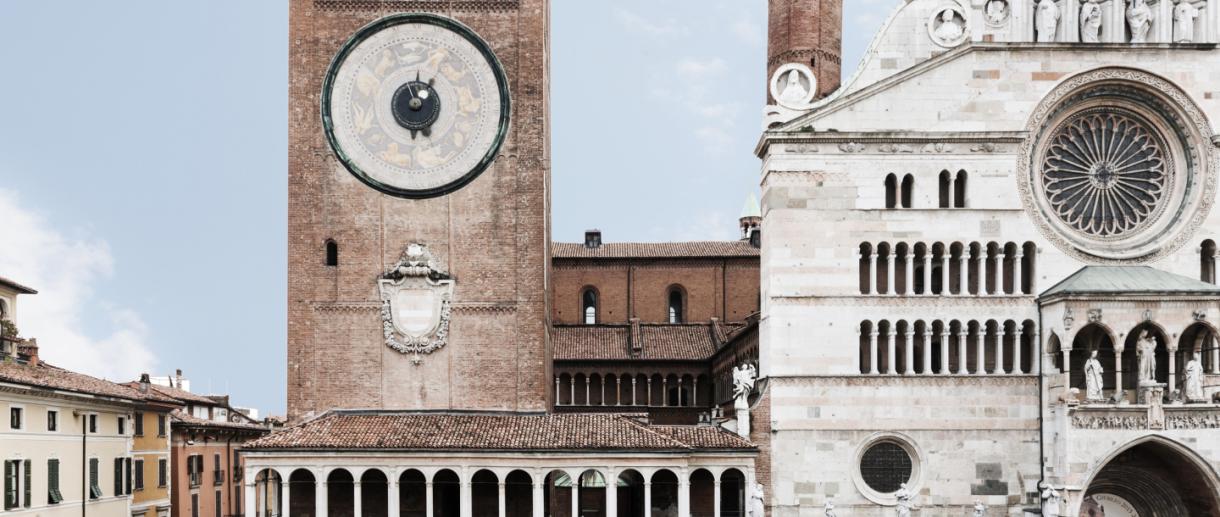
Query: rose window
{"x": 1104, "y": 173}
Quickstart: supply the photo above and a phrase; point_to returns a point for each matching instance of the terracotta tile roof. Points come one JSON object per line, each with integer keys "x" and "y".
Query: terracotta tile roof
{"x": 182, "y": 395}
{"x": 46, "y": 376}
{"x": 655, "y": 249}
{"x": 155, "y": 394}
{"x": 660, "y": 341}
{"x": 16, "y": 286}
{"x": 181, "y": 417}
{"x": 494, "y": 431}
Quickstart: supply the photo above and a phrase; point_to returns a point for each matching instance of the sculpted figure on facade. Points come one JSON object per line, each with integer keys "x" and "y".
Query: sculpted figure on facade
{"x": 1050, "y": 501}
{"x": 1139, "y": 20}
{"x": 997, "y": 12}
{"x": 757, "y": 508}
{"x": 794, "y": 91}
{"x": 1184, "y": 15}
{"x": 743, "y": 381}
{"x": 1147, "y": 364}
{"x": 950, "y": 30}
{"x": 903, "y": 495}
{"x": 1093, "y": 379}
{"x": 979, "y": 509}
{"x": 1090, "y": 22}
{"x": 1193, "y": 385}
{"x": 1047, "y": 20}
{"x": 830, "y": 508}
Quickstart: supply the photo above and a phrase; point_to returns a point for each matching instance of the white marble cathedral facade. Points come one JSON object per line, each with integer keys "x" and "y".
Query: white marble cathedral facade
{"x": 1028, "y": 184}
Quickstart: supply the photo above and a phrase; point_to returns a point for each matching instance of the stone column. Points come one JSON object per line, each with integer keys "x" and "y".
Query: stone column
{"x": 320, "y": 496}
{"x": 539, "y": 495}
{"x": 428, "y": 506}
{"x": 557, "y": 390}
{"x": 1118, "y": 367}
{"x": 694, "y": 391}
{"x": 999, "y": 350}
{"x": 961, "y": 352}
{"x": 1173, "y": 365}
{"x": 648, "y": 390}
{"x": 891, "y": 284}
{"x": 908, "y": 262}
{"x": 1115, "y": 18}
{"x": 872, "y": 351}
{"x": 963, "y": 274}
{"x": 927, "y": 350}
{"x": 909, "y": 351}
{"x": 588, "y": 401}
{"x": 980, "y": 347}
{"x": 927, "y": 271}
{"x": 464, "y": 493}
{"x": 618, "y": 390}
{"x": 502, "y": 506}
{"x": 944, "y": 350}
{"x": 1016, "y": 351}
{"x": 665, "y": 391}
{"x": 872, "y": 274}
{"x": 393, "y": 496}
{"x": 999, "y": 272}
{"x": 576, "y": 495}
{"x": 633, "y": 383}
{"x": 611, "y": 493}
{"x": 357, "y": 504}
{"x": 981, "y": 277}
{"x": 683, "y": 494}
{"x": 603, "y": 399}
{"x": 944, "y": 273}
{"x": 716, "y": 498}
{"x": 284, "y": 498}
{"x": 1016, "y": 273}
{"x": 251, "y": 505}
{"x": 1067, "y": 365}
{"x": 572, "y": 390}
{"x": 647, "y": 497}
{"x": 889, "y": 351}
{"x": 1210, "y": 341}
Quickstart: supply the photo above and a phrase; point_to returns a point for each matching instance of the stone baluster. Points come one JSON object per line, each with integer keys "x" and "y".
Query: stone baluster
{"x": 872, "y": 274}
{"x": 872, "y": 351}
{"x": 927, "y": 350}
{"x": 889, "y": 350}
{"x": 891, "y": 282}
{"x": 944, "y": 350}
{"x": 908, "y": 350}
{"x": 980, "y": 345}
{"x": 962, "y": 369}
{"x": 927, "y": 271}
{"x": 1016, "y": 351}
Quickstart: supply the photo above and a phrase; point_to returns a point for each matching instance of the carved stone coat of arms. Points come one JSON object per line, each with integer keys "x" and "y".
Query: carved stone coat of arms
{"x": 415, "y": 303}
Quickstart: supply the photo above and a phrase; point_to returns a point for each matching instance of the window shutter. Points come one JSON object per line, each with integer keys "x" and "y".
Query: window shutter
{"x": 162, "y": 473}
{"x": 139, "y": 424}
{"x": 118, "y": 476}
{"x": 28, "y": 468}
{"x": 10, "y": 485}
{"x": 95, "y": 491}
{"x": 127, "y": 479}
{"x": 53, "y": 495}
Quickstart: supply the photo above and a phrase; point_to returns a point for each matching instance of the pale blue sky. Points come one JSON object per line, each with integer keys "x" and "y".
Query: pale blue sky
{"x": 143, "y": 163}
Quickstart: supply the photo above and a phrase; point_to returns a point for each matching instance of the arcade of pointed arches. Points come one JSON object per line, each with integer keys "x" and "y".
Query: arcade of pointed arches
{"x": 713, "y": 491}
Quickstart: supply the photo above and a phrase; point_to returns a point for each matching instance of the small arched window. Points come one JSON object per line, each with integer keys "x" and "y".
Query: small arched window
{"x": 891, "y": 191}
{"x": 946, "y": 190}
{"x": 677, "y": 305}
{"x": 959, "y": 190}
{"x": 332, "y": 253}
{"x": 908, "y": 188}
{"x": 588, "y": 303}
{"x": 1207, "y": 261}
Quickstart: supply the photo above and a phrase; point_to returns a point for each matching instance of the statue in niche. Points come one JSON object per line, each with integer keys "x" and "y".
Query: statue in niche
{"x": 1050, "y": 500}
{"x": 979, "y": 509}
{"x": 1093, "y": 379}
{"x": 1193, "y": 385}
{"x": 1184, "y": 15}
{"x": 744, "y": 377}
{"x": 1090, "y": 22}
{"x": 757, "y": 508}
{"x": 1139, "y": 19}
{"x": 794, "y": 91}
{"x": 950, "y": 30}
{"x": 1047, "y": 20}
{"x": 997, "y": 12}
{"x": 1147, "y": 357}
{"x": 903, "y": 507}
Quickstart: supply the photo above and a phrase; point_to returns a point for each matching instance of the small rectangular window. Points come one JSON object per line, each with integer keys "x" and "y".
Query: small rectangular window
{"x": 92, "y": 424}
{"x": 161, "y": 425}
{"x": 194, "y": 505}
{"x": 118, "y": 476}
{"x": 52, "y": 420}
{"x": 53, "y": 494}
{"x": 122, "y": 426}
{"x": 95, "y": 490}
{"x": 138, "y": 471}
{"x": 15, "y": 415}
{"x": 162, "y": 473}
{"x": 218, "y": 503}
{"x": 138, "y": 424}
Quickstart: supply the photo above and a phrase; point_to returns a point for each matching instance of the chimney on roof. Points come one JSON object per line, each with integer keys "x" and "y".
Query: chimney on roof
{"x": 28, "y": 350}
{"x": 635, "y": 340}
{"x": 177, "y": 378}
{"x": 593, "y": 239}
{"x": 145, "y": 381}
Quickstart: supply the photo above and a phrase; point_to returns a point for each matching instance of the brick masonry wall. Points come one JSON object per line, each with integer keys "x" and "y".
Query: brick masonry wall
{"x": 721, "y": 288}
{"x": 492, "y": 236}
{"x": 806, "y": 31}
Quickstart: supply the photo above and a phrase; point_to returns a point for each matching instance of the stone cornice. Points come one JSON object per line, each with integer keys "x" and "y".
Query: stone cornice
{"x": 915, "y": 380}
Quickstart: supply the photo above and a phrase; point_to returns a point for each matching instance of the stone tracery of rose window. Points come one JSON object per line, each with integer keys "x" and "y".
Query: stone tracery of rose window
{"x": 1104, "y": 173}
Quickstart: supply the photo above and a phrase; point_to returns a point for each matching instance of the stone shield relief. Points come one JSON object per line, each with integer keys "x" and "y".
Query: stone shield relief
{"x": 415, "y": 303}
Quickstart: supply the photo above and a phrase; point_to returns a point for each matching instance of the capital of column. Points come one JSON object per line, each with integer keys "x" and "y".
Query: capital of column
{"x": 873, "y": 333}
{"x": 927, "y": 333}
{"x": 874, "y": 256}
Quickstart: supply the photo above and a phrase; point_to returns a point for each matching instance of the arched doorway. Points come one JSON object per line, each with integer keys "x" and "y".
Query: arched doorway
{"x": 702, "y": 492}
{"x": 412, "y": 494}
{"x": 446, "y": 494}
{"x": 1154, "y": 477}
{"x": 732, "y": 493}
{"x": 518, "y": 494}
{"x": 374, "y": 492}
{"x": 557, "y": 498}
{"x": 267, "y": 490}
{"x": 340, "y": 501}
{"x": 301, "y": 493}
{"x": 592, "y": 494}
{"x": 664, "y": 493}
{"x": 484, "y": 493}
{"x": 630, "y": 493}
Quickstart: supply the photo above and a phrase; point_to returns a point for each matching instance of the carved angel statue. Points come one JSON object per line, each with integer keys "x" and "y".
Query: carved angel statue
{"x": 830, "y": 508}
{"x": 980, "y": 510}
{"x": 1090, "y": 22}
{"x": 1193, "y": 388}
{"x": 1050, "y": 500}
{"x": 1184, "y": 21}
{"x": 1093, "y": 378}
{"x": 1139, "y": 19}
{"x": 1047, "y": 20}
{"x": 757, "y": 508}
{"x": 743, "y": 380}
{"x": 1147, "y": 353}
{"x": 903, "y": 507}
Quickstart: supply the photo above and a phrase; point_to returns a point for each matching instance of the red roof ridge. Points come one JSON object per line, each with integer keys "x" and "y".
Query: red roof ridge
{"x": 647, "y": 428}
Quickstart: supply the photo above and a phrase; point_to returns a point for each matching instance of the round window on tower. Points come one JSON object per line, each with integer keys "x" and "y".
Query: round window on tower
{"x": 1118, "y": 166}
{"x": 884, "y": 463}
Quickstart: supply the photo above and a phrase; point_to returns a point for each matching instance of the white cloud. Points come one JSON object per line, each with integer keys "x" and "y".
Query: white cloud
{"x": 66, "y": 270}
{"x": 636, "y": 23}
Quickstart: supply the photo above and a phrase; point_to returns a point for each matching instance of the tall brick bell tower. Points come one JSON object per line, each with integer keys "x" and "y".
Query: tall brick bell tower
{"x": 808, "y": 32}
{"x": 487, "y": 231}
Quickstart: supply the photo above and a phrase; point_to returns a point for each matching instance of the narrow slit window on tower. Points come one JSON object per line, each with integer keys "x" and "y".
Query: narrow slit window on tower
{"x": 332, "y": 253}
{"x": 589, "y": 303}
{"x": 677, "y": 303}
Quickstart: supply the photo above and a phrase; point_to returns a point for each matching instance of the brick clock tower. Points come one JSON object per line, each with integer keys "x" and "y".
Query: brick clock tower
{"x": 418, "y": 206}
{"x": 805, "y": 33}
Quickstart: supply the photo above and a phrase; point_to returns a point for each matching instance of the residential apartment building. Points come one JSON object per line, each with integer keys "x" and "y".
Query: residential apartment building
{"x": 151, "y": 487}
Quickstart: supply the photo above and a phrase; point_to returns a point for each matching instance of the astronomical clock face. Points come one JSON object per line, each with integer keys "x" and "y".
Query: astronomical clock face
{"x": 415, "y": 105}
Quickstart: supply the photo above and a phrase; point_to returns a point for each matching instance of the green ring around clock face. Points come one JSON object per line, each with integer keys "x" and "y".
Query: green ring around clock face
{"x": 377, "y": 26}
